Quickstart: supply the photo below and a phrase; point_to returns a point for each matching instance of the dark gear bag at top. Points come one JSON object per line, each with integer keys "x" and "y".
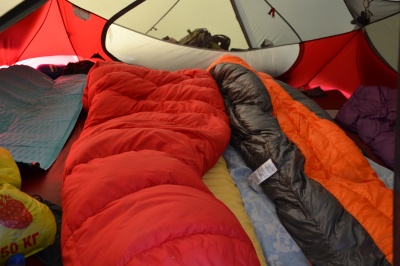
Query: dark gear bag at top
{"x": 202, "y": 38}
{"x": 81, "y": 67}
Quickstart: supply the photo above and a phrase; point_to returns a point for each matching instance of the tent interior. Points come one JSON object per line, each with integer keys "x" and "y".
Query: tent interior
{"x": 343, "y": 56}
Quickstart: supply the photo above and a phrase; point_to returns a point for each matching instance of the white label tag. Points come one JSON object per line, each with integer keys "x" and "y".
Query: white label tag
{"x": 261, "y": 174}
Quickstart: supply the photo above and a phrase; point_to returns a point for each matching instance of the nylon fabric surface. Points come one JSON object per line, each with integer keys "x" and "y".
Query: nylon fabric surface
{"x": 132, "y": 188}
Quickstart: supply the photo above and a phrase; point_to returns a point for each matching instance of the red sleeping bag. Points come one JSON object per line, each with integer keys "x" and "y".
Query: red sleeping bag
{"x": 132, "y": 190}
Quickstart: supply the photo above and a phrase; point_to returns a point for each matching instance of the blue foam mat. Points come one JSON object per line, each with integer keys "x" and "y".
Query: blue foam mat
{"x": 37, "y": 113}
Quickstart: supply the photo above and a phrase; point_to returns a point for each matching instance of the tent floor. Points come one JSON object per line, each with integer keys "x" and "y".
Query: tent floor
{"x": 48, "y": 183}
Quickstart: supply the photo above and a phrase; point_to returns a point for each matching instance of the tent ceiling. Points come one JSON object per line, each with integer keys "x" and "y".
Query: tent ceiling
{"x": 386, "y": 42}
{"x": 280, "y": 21}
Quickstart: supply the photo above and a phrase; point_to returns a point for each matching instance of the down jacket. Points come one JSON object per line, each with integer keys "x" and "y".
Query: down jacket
{"x": 326, "y": 194}
{"x": 371, "y": 113}
{"x": 132, "y": 190}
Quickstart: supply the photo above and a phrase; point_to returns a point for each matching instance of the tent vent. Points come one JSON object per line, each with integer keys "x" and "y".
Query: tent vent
{"x": 80, "y": 13}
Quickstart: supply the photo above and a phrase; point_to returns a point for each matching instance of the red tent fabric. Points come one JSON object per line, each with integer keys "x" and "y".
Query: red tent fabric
{"x": 53, "y": 29}
{"x": 42, "y": 33}
{"x": 84, "y": 33}
{"x": 340, "y": 62}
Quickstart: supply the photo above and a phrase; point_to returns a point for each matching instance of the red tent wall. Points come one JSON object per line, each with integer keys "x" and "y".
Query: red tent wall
{"x": 84, "y": 35}
{"x": 52, "y": 38}
{"x": 53, "y": 29}
{"x": 39, "y": 34}
{"x": 340, "y": 62}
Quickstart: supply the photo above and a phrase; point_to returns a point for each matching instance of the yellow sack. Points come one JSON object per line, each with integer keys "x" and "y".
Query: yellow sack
{"x": 9, "y": 172}
{"x": 27, "y": 226}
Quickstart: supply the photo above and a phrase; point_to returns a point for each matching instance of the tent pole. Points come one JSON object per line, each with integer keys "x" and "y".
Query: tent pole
{"x": 154, "y": 26}
{"x": 396, "y": 211}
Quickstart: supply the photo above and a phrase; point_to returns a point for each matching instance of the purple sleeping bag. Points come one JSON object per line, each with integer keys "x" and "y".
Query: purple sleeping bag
{"x": 371, "y": 113}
